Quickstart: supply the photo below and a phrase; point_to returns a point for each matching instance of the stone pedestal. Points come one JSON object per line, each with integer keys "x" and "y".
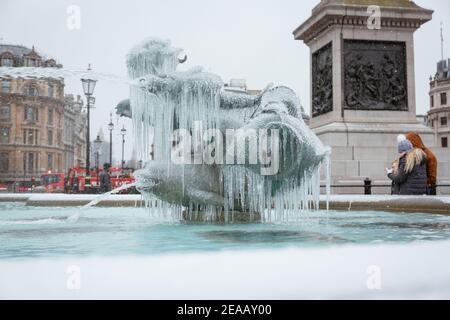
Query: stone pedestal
{"x": 363, "y": 83}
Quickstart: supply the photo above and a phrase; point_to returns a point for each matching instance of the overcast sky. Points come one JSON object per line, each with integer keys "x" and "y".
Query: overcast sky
{"x": 249, "y": 39}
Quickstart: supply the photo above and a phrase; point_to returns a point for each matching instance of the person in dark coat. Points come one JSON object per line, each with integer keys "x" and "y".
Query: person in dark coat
{"x": 432, "y": 163}
{"x": 409, "y": 171}
{"x": 105, "y": 179}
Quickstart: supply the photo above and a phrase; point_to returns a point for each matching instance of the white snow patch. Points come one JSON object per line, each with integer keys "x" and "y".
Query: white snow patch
{"x": 82, "y": 197}
{"x": 18, "y": 196}
{"x": 410, "y": 271}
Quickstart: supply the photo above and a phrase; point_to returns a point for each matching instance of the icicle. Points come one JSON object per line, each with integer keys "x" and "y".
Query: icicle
{"x": 328, "y": 180}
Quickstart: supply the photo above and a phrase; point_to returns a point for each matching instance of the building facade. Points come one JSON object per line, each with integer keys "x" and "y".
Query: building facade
{"x": 439, "y": 113}
{"x": 32, "y": 120}
{"x": 74, "y": 136}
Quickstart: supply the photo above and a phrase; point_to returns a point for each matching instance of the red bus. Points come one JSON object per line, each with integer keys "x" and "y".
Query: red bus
{"x": 53, "y": 182}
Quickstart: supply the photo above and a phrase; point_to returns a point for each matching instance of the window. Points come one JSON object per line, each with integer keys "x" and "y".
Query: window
{"x": 49, "y": 161}
{"x": 78, "y": 150}
{"x": 30, "y": 62}
{"x": 444, "y": 121}
{"x": 50, "y": 116}
{"x": 31, "y": 114}
{"x": 6, "y": 86}
{"x": 7, "y": 61}
{"x": 30, "y": 136}
{"x": 50, "y": 91}
{"x": 50, "y": 178}
{"x": 68, "y": 131}
{"x": 5, "y": 113}
{"x": 4, "y": 135}
{"x": 50, "y": 137}
{"x": 31, "y": 91}
{"x": 58, "y": 161}
{"x": 443, "y": 98}
{"x": 29, "y": 162}
{"x": 432, "y": 101}
{"x": 4, "y": 162}
{"x": 444, "y": 142}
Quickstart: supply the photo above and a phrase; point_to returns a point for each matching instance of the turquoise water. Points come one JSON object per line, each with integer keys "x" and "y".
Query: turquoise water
{"x": 60, "y": 232}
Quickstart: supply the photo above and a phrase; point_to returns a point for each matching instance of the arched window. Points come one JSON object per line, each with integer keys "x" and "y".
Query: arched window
{"x": 7, "y": 60}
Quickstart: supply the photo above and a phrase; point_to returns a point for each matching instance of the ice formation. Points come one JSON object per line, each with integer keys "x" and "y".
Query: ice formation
{"x": 167, "y": 100}
{"x": 163, "y": 99}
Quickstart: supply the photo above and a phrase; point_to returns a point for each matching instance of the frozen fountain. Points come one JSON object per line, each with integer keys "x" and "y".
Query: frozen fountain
{"x": 212, "y": 153}
{"x": 217, "y": 153}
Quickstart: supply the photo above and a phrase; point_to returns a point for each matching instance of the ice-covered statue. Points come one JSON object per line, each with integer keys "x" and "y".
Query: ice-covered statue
{"x": 212, "y": 151}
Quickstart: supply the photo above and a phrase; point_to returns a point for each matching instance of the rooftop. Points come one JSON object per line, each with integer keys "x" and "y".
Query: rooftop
{"x": 19, "y": 51}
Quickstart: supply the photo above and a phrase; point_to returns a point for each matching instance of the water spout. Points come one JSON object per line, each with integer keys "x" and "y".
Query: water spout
{"x": 107, "y": 194}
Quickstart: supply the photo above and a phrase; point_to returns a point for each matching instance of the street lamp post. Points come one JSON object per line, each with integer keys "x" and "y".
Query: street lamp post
{"x": 88, "y": 88}
{"x": 97, "y": 144}
{"x": 110, "y": 128}
{"x": 123, "y": 132}
{"x": 17, "y": 174}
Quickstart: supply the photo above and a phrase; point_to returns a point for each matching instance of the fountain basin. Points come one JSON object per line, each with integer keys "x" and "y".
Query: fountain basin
{"x": 437, "y": 204}
{"x": 27, "y": 231}
{"x": 131, "y": 253}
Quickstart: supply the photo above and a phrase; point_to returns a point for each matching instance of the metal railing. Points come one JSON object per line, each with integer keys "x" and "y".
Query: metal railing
{"x": 367, "y": 186}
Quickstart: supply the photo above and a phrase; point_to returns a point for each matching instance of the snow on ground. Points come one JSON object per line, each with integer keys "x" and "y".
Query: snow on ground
{"x": 414, "y": 271}
{"x": 18, "y": 196}
{"x": 66, "y": 197}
